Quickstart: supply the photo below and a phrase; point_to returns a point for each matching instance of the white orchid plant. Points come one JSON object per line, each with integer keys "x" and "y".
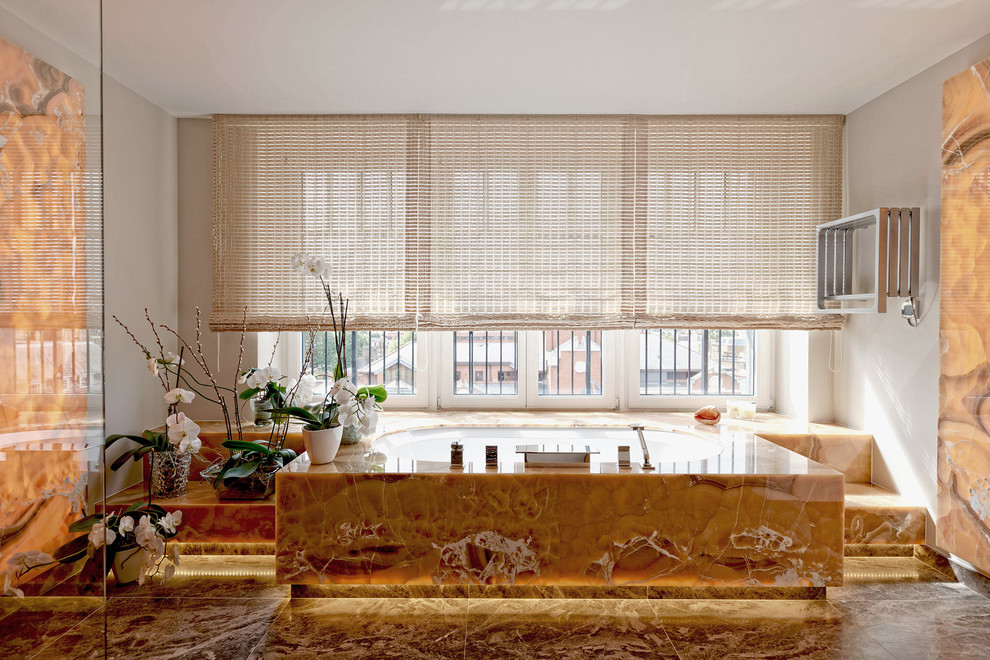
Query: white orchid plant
{"x": 345, "y": 404}
{"x": 149, "y": 527}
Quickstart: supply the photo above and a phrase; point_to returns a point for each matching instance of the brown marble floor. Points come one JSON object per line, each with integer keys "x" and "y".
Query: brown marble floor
{"x": 895, "y": 607}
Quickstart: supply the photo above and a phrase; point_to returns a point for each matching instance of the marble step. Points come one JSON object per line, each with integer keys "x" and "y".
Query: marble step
{"x": 850, "y": 452}
{"x": 207, "y": 520}
{"x": 876, "y": 516}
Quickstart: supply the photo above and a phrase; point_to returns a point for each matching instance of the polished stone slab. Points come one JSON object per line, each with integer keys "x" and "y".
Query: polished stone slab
{"x": 565, "y": 629}
{"x": 963, "y": 469}
{"x": 877, "y": 516}
{"x": 755, "y": 514}
{"x": 896, "y": 578}
{"x": 367, "y": 628}
{"x": 924, "y": 629}
{"x": 34, "y": 622}
{"x": 171, "y": 628}
{"x": 848, "y": 452}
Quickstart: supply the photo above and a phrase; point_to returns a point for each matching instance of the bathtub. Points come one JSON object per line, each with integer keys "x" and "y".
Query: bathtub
{"x": 723, "y": 508}
{"x": 433, "y": 444}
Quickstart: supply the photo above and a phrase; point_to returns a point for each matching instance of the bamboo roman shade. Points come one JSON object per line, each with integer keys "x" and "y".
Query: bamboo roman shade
{"x": 523, "y": 221}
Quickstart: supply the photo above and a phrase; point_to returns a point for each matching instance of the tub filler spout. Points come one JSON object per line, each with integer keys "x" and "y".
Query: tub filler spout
{"x": 638, "y": 428}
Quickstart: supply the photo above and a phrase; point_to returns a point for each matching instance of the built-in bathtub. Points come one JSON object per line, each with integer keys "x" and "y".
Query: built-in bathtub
{"x": 723, "y": 508}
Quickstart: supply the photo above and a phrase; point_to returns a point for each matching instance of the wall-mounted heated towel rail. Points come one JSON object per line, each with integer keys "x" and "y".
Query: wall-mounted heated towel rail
{"x": 866, "y": 258}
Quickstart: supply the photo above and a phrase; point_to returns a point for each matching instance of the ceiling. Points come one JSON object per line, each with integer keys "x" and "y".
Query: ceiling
{"x": 195, "y": 57}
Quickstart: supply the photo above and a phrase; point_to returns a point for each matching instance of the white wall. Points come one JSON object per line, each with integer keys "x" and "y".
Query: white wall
{"x": 195, "y": 157}
{"x": 141, "y": 254}
{"x": 803, "y": 380}
{"x": 888, "y": 384}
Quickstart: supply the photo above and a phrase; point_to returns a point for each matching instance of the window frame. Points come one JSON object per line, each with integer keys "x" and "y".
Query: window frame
{"x": 765, "y": 351}
{"x": 620, "y": 350}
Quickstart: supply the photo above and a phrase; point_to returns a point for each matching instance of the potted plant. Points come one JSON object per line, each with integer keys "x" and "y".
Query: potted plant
{"x": 248, "y": 473}
{"x": 267, "y": 387}
{"x": 321, "y": 428}
{"x": 136, "y": 542}
{"x": 355, "y": 406}
{"x": 170, "y": 452}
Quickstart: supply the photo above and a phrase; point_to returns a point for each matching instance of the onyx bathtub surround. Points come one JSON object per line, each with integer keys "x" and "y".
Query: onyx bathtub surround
{"x": 754, "y": 514}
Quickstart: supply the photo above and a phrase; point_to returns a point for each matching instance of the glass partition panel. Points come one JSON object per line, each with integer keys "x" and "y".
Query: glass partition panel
{"x": 51, "y": 327}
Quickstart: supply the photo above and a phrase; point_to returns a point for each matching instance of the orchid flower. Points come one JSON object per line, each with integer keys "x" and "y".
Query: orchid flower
{"x": 144, "y": 532}
{"x": 179, "y": 395}
{"x": 23, "y": 561}
{"x": 181, "y": 430}
{"x": 190, "y": 445}
{"x": 317, "y": 267}
{"x": 9, "y": 589}
{"x": 101, "y": 534}
{"x": 125, "y": 525}
{"x": 298, "y": 262}
{"x": 169, "y": 521}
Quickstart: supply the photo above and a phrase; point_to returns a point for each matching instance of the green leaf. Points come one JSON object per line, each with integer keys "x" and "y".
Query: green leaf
{"x": 141, "y": 440}
{"x": 285, "y": 456}
{"x": 72, "y": 551}
{"x": 377, "y": 391}
{"x": 243, "y": 445}
{"x": 133, "y": 507}
{"x": 86, "y": 524}
{"x": 298, "y": 413}
{"x": 142, "y": 451}
{"x": 123, "y": 458}
{"x": 249, "y": 393}
{"x": 243, "y": 470}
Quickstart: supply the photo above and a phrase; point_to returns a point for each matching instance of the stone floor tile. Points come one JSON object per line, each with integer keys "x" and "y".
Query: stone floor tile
{"x": 764, "y": 629}
{"x": 367, "y": 628}
{"x": 565, "y": 628}
{"x": 923, "y": 629}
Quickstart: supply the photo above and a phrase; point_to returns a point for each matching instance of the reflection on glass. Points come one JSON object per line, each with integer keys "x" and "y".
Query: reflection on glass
{"x": 50, "y": 318}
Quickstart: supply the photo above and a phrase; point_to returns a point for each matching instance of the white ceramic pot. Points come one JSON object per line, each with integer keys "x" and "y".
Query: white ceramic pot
{"x": 322, "y": 445}
{"x": 128, "y": 564}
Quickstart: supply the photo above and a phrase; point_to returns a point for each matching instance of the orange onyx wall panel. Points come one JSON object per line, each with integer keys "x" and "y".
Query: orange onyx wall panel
{"x": 963, "y": 503}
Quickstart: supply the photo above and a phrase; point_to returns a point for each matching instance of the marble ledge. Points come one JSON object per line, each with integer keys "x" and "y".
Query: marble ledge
{"x": 209, "y": 522}
{"x": 743, "y": 451}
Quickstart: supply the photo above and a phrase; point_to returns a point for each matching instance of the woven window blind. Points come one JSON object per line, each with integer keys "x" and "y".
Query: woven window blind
{"x": 475, "y": 222}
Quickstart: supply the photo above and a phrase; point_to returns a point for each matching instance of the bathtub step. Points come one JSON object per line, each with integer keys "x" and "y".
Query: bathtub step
{"x": 876, "y": 516}
{"x": 207, "y": 520}
{"x": 845, "y": 450}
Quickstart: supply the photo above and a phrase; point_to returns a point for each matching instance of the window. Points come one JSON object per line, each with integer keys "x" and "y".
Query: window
{"x": 697, "y": 362}
{"x": 587, "y": 369}
{"x": 488, "y": 357}
{"x": 571, "y": 363}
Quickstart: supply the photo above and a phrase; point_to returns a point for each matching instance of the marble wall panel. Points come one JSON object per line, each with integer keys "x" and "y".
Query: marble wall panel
{"x": 963, "y": 499}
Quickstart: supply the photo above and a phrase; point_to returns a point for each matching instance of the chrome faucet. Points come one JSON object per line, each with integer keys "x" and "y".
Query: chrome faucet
{"x": 638, "y": 428}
